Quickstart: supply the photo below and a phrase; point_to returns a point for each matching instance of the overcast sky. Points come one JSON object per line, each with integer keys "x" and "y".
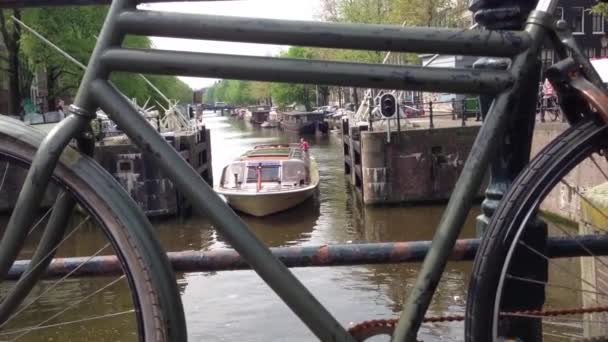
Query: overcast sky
{"x": 279, "y": 9}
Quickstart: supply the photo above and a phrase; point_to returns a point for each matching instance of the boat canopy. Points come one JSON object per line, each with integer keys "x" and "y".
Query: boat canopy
{"x": 284, "y": 172}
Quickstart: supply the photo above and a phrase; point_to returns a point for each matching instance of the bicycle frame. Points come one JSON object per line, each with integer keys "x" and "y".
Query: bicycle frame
{"x": 123, "y": 18}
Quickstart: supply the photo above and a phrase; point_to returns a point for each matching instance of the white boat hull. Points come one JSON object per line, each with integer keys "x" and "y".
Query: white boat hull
{"x": 263, "y": 204}
{"x": 271, "y": 202}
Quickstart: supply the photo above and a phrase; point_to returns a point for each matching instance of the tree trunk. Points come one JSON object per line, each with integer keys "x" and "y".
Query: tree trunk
{"x": 51, "y": 99}
{"x": 14, "y": 97}
{"x": 11, "y": 41}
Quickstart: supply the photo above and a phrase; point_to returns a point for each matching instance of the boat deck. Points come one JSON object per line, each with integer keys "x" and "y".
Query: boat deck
{"x": 274, "y": 152}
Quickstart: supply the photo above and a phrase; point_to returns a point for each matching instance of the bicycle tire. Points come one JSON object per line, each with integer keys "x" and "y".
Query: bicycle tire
{"x": 520, "y": 203}
{"x": 152, "y": 283}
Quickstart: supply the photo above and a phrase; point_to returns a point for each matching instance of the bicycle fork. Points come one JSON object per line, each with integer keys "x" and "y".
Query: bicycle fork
{"x": 488, "y": 139}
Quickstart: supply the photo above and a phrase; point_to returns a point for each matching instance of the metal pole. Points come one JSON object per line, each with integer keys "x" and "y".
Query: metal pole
{"x": 431, "y": 125}
{"x": 310, "y": 256}
{"x": 463, "y": 113}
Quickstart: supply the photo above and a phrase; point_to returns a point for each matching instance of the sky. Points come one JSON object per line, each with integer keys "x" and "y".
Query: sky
{"x": 276, "y": 9}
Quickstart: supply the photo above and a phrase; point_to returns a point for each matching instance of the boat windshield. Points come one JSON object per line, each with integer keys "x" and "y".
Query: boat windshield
{"x": 269, "y": 173}
{"x": 233, "y": 175}
{"x": 294, "y": 173}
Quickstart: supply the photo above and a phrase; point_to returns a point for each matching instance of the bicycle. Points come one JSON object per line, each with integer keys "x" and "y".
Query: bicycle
{"x": 157, "y": 312}
{"x": 548, "y": 105}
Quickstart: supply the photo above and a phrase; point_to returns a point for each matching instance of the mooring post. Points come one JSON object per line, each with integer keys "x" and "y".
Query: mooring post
{"x": 431, "y": 125}
{"x": 512, "y": 155}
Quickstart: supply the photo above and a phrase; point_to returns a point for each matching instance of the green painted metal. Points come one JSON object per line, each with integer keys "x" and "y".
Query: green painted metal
{"x": 108, "y": 56}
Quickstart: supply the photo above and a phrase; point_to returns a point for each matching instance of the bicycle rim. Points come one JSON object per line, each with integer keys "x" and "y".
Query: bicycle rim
{"x": 559, "y": 186}
{"x": 124, "y": 304}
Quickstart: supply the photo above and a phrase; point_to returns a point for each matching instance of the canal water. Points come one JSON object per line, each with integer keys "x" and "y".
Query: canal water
{"x": 237, "y": 305}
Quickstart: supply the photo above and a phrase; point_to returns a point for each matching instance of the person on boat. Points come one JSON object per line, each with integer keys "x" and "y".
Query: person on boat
{"x": 304, "y": 145}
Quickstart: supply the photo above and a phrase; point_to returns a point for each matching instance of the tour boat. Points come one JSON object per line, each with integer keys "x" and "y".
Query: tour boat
{"x": 269, "y": 178}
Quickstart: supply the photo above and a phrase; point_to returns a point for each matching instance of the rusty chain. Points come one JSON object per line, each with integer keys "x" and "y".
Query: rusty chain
{"x": 367, "y": 329}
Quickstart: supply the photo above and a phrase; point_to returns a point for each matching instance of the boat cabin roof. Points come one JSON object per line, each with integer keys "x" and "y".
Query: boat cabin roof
{"x": 274, "y": 152}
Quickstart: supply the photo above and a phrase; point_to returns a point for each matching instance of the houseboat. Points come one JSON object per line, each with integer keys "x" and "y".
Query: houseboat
{"x": 304, "y": 122}
{"x": 269, "y": 179}
{"x": 273, "y": 119}
{"x": 259, "y": 114}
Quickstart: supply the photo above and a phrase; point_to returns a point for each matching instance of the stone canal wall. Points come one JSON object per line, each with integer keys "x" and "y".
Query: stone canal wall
{"x": 416, "y": 165}
{"x": 563, "y": 200}
{"x": 419, "y": 165}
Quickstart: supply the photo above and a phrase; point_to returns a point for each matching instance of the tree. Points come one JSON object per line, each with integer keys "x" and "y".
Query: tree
{"x": 11, "y": 36}
{"x": 285, "y": 94}
{"x": 74, "y": 29}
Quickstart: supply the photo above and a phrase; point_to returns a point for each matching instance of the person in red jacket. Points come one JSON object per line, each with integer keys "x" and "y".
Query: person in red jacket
{"x": 304, "y": 144}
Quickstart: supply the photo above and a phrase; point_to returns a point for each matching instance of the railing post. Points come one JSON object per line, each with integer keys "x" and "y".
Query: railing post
{"x": 453, "y": 108}
{"x": 370, "y": 110}
{"x": 463, "y": 113}
{"x": 431, "y": 125}
{"x": 511, "y": 157}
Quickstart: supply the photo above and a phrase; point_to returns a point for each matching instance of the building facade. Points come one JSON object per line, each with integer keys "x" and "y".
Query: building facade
{"x": 588, "y": 28}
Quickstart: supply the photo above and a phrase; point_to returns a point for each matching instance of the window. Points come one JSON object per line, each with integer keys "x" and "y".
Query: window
{"x": 559, "y": 13}
{"x": 294, "y": 173}
{"x": 604, "y": 52}
{"x": 233, "y": 175}
{"x": 578, "y": 20}
{"x": 125, "y": 165}
{"x": 269, "y": 173}
{"x": 598, "y": 23}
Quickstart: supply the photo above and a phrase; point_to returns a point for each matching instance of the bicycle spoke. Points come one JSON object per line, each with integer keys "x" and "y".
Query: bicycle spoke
{"x": 4, "y": 175}
{"x": 88, "y": 319}
{"x": 54, "y": 285}
{"x": 550, "y": 320}
{"x": 72, "y": 305}
{"x": 539, "y": 282}
{"x": 598, "y": 167}
{"x": 586, "y": 200}
{"x": 46, "y": 214}
{"x": 557, "y": 265}
{"x": 25, "y": 274}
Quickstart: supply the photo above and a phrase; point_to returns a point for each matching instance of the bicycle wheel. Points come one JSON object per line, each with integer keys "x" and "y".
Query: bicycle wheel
{"x": 562, "y": 187}
{"x": 554, "y": 114}
{"x": 137, "y": 297}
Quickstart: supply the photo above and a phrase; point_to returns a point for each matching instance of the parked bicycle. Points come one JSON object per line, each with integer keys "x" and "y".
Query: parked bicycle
{"x": 513, "y": 287}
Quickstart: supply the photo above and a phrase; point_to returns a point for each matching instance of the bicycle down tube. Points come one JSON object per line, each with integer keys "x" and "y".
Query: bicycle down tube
{"x": 123, "y": 18}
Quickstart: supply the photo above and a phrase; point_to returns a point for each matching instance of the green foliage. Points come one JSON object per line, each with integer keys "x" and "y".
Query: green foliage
{"x": 450, "y": 13}
{"x": 284, "y": 93}
{"x": 238, "y": 92}
{"x": 601, "y": 8}
{"x": 74, "y": 30}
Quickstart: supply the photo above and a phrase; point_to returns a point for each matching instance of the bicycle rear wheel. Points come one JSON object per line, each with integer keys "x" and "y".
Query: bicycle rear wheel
{"x": 137, "y": 299}
{"x": 562, "y": 186}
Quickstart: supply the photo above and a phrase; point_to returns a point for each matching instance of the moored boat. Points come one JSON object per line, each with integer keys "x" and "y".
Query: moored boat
{"x": 270, "y": 124}
{"x": 269, "y": 179}
{"x": 259, "y": 114}
{"x": 304, "y": 122}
